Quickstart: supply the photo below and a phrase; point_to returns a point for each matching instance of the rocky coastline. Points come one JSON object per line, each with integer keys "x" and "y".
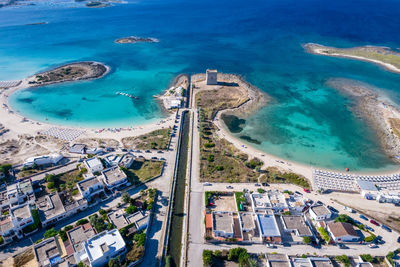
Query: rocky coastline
{"x": 136, "y": 39}
{"x": 375, "y": 109}
{"x": 76, "y": 71}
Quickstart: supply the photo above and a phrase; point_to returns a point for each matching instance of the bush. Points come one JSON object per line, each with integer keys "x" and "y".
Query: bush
{"x": 82, "y": 221}
{"x": 370, "y": 238}
{"x": 63, "y": 235}
{"x": 1, "y": 240}
{"x": 324, "y": 234}
{"x": 344, "y": 218}
{"x": 253, "y": 163}
{"x": 140, "y": 238}
{"x": 50, "y": 233}
{"x": 307, "y": 240}
{"x": 210, "y": 158}
{"x": 234, "y": 253}
{"x": 209, "y": 145}
{"x": 207, "y": 257}
{"x": 51, "y": 185}
{"x": 98, "y": 223}
{"x": 126, "y": 197}
{"x": 219, "y": 168}
{"x": 68, "y": 227}
{"x": 367, "y": 257}
{"x": 260, "y": 190}
{"x": 343, "y": 259}
{"x": 101, "y": 211}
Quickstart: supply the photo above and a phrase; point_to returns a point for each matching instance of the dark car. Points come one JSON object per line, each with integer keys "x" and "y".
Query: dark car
{"x": 369, "y": 228}
{"x": 374, "y": 222}
{"x": 386, "y": 228}
{"x": 363, "y": 217}
{"x": 332, "y": 209}
{"x": 398, "y": 239}
{"x": 343, "y": 246}
{"x": 319, "y": 203}
{"x": 265, "y": 184}
{"x": 148, "y": 151}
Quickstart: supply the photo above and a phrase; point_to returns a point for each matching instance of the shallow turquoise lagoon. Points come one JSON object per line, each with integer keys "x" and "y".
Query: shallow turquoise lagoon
{"x": 306, "y": 121}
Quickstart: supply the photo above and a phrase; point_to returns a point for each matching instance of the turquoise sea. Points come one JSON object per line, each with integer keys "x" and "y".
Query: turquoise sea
{"x": 261, "y": 40}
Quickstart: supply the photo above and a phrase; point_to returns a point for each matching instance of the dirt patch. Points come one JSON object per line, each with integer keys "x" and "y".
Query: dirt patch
{"x": 224, "y": 203}
{"x": 24, "y": 259}
{"x": 157, "y": 139}
{"x": 98, "y": 142}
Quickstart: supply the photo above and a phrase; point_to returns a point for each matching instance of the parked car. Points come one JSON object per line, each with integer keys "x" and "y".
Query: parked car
{"x": 148, "y": 151}
{"x": 363, "y": 217}
{"x": 307, "y": 190}
{"x": 319, "y": 203}
{"x": 369, "y": 228}
{"x": 141, "y": 157}
{"x": 162, "y": 159}
{"x": 332, "y": 209}
{"x": 357, "y": 222}
{"x": 160, "y": 152}
{"x": 297, "y": 192}
{"x": 374, "y": 222}
{"x": 398, "y": 239}
{"x": 386, "y": 228}
{"x": 257, "y": 184}
{"x": 372, "y": 245}
{"x": 265, "y": 184}
{"x": 229, "y": 187}
{"x": 154, "y": 158}
{"x": 343, "y": 246}
{"x": 206, "y": 184}
{"x": 349, "y": 209}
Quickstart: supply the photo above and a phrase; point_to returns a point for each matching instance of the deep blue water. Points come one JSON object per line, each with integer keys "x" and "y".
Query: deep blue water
{"x": 261, "y": 40}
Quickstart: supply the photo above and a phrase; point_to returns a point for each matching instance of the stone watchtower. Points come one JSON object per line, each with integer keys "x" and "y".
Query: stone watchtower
{"x": 211, "y": 77}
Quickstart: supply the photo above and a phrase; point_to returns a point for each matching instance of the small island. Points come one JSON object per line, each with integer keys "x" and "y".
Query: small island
{"x": 136, "y": 39}
{"x": 383, "y": 56}
{"x": 70, "y": 72}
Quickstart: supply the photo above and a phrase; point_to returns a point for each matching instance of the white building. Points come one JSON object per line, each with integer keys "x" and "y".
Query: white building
{"x": 343, "y": 232}
{"x": 368, "y": 189}
{"x": 90, "y": 188}
{"x": 211, "y": 77}
{"x": 114, "y": 177}
{"x": 320, "y": 213}
{"x": 94, "y": 165}
{"x": 52, "y": 159}
{"x": 11, "y": 226}
{"x": 223, "y": 224}
{"x": 101, "y": 248}
{"x": 270, "y": 200}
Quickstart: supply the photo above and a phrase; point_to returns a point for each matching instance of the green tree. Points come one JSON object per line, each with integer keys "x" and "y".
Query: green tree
{"x": 126, "y": 197}
{"x": 50, "y": 233}
{"x": 140, "y": 238}
{"x": 234, "y": 253}
{"x": 343, "y": 259}
{"x": 210, "y": 158}
{"x": 367, "y": 257}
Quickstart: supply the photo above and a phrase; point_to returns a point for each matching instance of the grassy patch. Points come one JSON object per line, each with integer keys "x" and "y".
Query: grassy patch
{"x": 157, "y": 139}
{"x": 239, "y": 199}
{"x": 142, "y": 171}
{"x": 273, "y": 175}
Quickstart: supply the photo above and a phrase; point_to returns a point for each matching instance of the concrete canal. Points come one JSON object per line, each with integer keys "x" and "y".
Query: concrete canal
{"x": 175, "y": 235}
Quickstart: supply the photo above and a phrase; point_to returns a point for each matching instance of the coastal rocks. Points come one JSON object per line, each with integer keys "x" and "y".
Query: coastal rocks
{"x": 378, "y": 111}
{"x": 70, "y": 72}
{"x": 136, "y": 39}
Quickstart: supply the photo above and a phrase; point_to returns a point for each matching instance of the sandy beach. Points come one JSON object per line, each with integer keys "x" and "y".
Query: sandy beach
{"x": 318, "y": 49}
{"x": 20, "y": 128}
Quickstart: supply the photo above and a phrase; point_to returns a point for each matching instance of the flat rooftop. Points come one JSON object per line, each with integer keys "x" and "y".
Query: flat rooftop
{"x": 367, "y": 186}
{"x": 268, "y": 225}
{"x": 277, "y": 260}
{"x": 301, "y": 262}
{"x": 261, "y": 201}
{"x": 50, "y": 206}
{"x": 106, "y": 241}
{"x": 320, "y": 210}
{"x": 118, "y": 218}
{"x": 79, "y": 235}
{"x": 6, "y": 224}
{"x": 93, "y": 162}
{"x": 47, "y": 252}
{"x": 87, "y": 183}
{"x": 140, "y": 218}
{"x": 321, "y": 262}
{"x": 114, "y": 175}
{"x": 247, "y": 220}
{"x": 223, "y": 221}
{"x": 296, "y": 223}
{"x": 21, "y": 212}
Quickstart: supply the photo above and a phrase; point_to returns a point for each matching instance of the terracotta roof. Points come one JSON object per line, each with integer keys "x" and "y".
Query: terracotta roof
{"x": 209, "y": 223}
{"x": 342, "y": 229}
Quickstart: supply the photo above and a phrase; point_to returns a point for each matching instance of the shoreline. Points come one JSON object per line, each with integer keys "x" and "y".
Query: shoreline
{"x": 317, "y": 49}
{"x": 18, "y": 124}
{"x": 270, "y": 160}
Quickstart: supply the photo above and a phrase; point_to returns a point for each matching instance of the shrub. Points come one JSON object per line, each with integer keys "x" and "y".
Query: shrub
{"x": 140, "y": 238}
{"x": 307, "y": 240}
{"x": 207, "y": 257}
{"x": 370, "y": 238}
{"x": 63, "y": 235}
{"x": 343, "y": 259}
{"x": 367, "y": 257}
{"x": 51, "y": 185}
{"x": 101, "y": 211}
{"x": 126, "y": 197}
{"x": 68, "y": 227}
{"x": 210, "y": 158}
{"x": 135, "y": 253}
{"x": 219, "y": 168}
{"x": 1, "y": 240}
{"x": 253, "y": 163}
{"x": 260, "y": 190}
{"x": 82, "y": 221}
{"x": 209, "y": 145}
{"x": 324, "y": 234}
{"x": 50, "y": 233}
{"x": 234, "y": 253}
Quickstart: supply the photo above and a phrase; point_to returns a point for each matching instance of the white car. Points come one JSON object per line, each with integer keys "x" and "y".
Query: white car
{"x": 206, "y": 184}
{"x": 372, "y": 246}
